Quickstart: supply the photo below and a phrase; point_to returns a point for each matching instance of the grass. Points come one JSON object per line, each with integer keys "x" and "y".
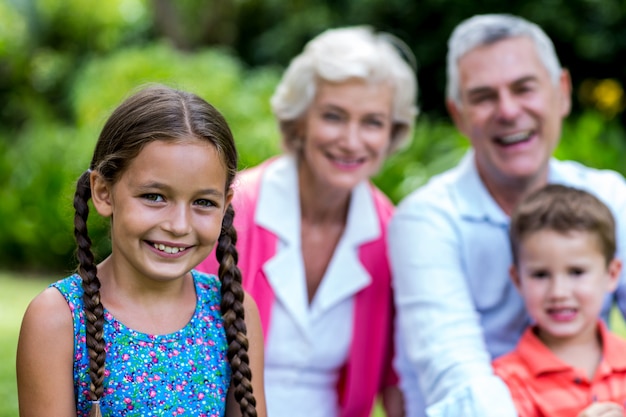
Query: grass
{"x": 618, "y": 325}
{"x": 15, "y": 295}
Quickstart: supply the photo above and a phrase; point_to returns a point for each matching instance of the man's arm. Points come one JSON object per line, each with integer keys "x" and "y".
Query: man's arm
{"x": 441, "y": 329}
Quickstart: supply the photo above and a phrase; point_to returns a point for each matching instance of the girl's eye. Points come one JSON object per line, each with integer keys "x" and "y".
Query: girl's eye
{"x": 153, "y": 197}
{"x": 203, "y": 202}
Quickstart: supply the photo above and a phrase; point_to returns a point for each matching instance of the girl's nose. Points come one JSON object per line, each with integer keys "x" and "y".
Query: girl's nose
{"x": 179, "y": 220}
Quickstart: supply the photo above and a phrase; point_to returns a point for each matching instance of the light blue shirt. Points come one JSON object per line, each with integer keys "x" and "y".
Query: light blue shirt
{"x": 457, "y": 308}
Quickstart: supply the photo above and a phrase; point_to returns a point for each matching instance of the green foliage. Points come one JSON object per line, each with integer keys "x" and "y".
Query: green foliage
{"x": 436, "y": 146}
{"x": 65, "y": 64}
{"x": 44, "y": 42}
{"x": 13, "y": 31}
{"x": 39, "y": 165}
{"x": 17, "y": 291}
{"x": 594, "y": 141}
{"x": 241, "y": 95}
{"x": 85, "y": 26}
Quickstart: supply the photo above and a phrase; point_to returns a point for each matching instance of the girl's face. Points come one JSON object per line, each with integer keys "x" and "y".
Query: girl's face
{"x": 346, "y": 133}
{"x": 166, "y": 209}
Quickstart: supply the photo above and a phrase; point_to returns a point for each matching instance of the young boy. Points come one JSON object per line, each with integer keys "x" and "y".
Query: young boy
{"x": 567, "y": 363}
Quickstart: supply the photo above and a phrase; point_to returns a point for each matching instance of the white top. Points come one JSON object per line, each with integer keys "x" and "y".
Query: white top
{"x": 308, "y": 344}
{"x": 457, "y": 307}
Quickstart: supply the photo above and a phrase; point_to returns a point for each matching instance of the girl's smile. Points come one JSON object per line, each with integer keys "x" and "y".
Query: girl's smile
{"x": 166, "y": 209}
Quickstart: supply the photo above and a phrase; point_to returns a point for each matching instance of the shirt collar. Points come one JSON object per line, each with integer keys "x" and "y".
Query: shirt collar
{"x": 537, "y": 356}
{"x": 278, "y": 210}
{"x": 613, "y": 349}
{"x": 345, "y": 274}
{"x": 562, "y": 173}
{"x": 278, "y": 207}
{"x": 472, "y": 197}
{"x": 541, "y": 360}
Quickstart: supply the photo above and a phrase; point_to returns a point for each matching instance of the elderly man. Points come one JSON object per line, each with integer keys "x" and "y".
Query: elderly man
{"x": 448, "y": 241}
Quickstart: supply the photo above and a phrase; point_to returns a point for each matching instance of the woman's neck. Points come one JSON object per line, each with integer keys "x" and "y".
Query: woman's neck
{"x": 320, "y": 204}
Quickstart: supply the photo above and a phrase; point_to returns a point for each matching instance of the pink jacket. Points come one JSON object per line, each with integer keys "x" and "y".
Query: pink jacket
{"x": 369, "y": 367}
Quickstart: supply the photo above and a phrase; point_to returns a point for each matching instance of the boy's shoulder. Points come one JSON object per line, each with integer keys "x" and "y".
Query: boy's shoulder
{"x": 529, "y": 358}
{"x": 614, "y": 347}
{"x": 511, "y": 365}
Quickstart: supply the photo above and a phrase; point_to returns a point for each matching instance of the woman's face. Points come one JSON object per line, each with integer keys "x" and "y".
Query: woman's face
{"x": 346, "y": 133}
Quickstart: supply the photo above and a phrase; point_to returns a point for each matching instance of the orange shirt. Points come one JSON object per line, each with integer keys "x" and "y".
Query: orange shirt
{"x": 543, "y": 385}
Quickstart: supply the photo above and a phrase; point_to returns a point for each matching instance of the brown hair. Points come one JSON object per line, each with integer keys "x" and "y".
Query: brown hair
{"x": 162, "y": 113}
{"x": 563, "y": 209}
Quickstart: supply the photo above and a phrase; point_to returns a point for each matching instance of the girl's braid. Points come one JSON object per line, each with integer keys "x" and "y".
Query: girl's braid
{"x": 93, "y": 310}
{"x": 233, "y": 314}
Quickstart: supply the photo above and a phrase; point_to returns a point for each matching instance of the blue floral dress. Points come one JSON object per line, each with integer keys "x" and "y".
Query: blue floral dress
{"x": 185, "y": 373}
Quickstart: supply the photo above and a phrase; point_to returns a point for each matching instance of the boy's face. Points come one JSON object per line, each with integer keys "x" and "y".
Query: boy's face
{"x": 564, "y": 279}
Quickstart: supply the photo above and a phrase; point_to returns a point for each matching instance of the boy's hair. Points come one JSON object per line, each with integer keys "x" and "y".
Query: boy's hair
{"x": 563, "y": 209}
{"x": 165, "y": 114}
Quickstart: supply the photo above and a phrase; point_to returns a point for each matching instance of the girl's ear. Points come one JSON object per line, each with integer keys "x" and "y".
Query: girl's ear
{"x": 101, "y": 194}
{"x": 229, "y": 198}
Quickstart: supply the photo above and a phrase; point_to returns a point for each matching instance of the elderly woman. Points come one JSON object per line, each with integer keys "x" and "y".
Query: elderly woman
{"x": 312, "y": 227}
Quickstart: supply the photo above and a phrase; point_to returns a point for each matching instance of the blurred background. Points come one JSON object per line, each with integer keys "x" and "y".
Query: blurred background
{"x": 65, "y": 64}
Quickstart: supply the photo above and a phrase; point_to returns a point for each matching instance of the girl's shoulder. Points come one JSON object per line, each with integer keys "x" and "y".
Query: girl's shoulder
{"x": 207, "y": 285}
{"x": 50, "y": 304}
{"x": 70, "y": 283}
{"x": 205, "y": 278}
{"x": 49, "y": 317}
{"x": 71, "y": 289}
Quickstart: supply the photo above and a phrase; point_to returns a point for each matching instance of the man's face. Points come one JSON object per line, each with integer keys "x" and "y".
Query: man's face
{"x": 510, "y": 110}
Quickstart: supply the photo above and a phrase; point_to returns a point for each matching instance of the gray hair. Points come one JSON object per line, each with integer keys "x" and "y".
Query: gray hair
{"x": 487, "y": 29}
{"x": 337, "y": 55}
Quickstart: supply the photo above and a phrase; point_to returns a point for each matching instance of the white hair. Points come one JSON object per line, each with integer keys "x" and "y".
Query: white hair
{"x": 486, "y": 29}
{"x": 337, "y": 55}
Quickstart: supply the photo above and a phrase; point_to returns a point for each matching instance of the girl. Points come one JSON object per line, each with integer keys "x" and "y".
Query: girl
{"x": 142, "y": 333}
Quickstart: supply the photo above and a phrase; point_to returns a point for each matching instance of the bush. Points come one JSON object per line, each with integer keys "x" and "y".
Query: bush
{"x": 436, "y": 146}
{"x": 40, "y": 163}
{"x": 594, "y": 140}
